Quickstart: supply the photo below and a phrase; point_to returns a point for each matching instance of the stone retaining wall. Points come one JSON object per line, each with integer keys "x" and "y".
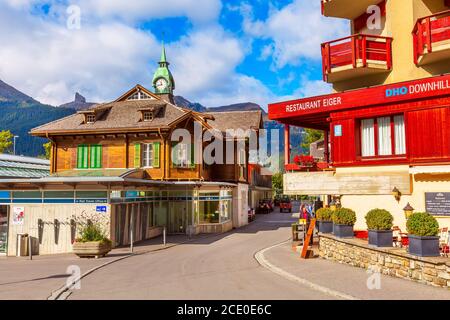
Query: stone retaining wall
{"x": 395, "y": 262}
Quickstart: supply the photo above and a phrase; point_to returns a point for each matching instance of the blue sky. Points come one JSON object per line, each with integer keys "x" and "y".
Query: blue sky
{"x": 222, "y": 52}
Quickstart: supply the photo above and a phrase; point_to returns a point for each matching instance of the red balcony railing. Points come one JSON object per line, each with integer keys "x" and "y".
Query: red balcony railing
{"x": 356, "y": 51}
{"x": 429, "y": 31}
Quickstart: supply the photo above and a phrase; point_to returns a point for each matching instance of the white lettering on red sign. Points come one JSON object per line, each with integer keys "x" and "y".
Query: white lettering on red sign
{"x": 315, "y": 104}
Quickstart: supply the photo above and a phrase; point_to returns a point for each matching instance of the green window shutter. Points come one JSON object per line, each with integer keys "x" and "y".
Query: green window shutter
{"x": 156, "y": 154}
{"x": 192, "y": 156}
{"x": 96, "y": 157}
{"x": 137, "y": 155}
{"x": 82, "y": 157}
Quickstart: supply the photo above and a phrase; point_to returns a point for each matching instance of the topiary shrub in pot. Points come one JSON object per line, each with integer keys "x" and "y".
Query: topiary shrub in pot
{"x": 343, "y": 221}
{"x": 325, "y": 220}
{"x": 423, "y": 229}
{"x": 379, "y": 224}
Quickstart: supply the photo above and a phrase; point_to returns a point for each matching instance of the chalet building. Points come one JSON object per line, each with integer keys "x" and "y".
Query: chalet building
{"x": 387, "y": 124}
{"x": 117, "y": 160}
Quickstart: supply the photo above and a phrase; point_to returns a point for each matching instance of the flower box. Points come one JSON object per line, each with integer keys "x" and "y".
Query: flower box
{"x": 95, "y": 249}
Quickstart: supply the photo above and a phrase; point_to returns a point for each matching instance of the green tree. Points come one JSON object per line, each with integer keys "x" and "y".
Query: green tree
{"x": 6, "y": 138}
{"x": 311, "y": 136}
{"x": 277, "y": 183}
{"x": 47, "y": 147}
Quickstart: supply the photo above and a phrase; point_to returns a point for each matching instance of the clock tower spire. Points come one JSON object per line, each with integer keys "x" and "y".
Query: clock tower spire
{"x": 163, "y": 81}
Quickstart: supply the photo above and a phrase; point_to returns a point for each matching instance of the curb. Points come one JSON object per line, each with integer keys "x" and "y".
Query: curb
{"x": 259, "y": 256}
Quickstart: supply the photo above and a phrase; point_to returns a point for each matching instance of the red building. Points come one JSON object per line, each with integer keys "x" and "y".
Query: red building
{"x": 387, "y": 126}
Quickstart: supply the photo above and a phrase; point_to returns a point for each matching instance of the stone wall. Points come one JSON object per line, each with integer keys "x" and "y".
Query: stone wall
{"x": 394, "y": 262}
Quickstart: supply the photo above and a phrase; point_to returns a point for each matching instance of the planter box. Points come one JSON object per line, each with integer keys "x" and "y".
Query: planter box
{"x": 91, "y": 249}
{"x": 424, "y": 246}
{"x": 325, "y": 226}
{"x": 343, "y": 231}
{"x": 380, "y": 238}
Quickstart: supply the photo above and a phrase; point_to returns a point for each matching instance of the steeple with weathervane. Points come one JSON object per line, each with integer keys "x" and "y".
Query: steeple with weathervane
{"x": 163, "y": 81}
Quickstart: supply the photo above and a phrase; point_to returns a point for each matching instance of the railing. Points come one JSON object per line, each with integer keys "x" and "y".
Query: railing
{"x": 430, "y": 30}
{"x": 320, "y": 166}
{"x": 356, "y": 51}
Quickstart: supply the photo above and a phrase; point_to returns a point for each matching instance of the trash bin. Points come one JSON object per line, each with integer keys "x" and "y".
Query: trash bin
{"x": 22, "y": 245}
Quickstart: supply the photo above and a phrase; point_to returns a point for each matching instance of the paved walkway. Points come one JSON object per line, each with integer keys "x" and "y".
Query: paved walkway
{"x": 23, "y": 279}
{"x": 348, "y": 280}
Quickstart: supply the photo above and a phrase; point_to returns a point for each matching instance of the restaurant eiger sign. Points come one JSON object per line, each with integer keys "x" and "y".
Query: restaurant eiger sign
{"x": 438, "y": 203}
{"x": 379, "y": 95}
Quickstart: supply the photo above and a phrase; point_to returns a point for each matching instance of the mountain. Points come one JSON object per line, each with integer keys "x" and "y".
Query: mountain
{"x": 20, "y": 113}
{"x": 11, "y": 94}
{"x": 78, "y": 104}
{"x": 183, "y": 102}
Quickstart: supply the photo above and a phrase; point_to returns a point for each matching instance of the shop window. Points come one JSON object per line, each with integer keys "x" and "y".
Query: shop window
{"x": 89, "y": 157}
{"x": 383, "y": 136}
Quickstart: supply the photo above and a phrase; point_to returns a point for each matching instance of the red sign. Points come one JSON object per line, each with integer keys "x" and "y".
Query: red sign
{"x": 380, "y": 95}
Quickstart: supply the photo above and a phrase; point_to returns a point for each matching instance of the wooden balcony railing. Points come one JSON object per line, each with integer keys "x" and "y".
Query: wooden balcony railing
{"x": 429, "y": 31}
{"x": 356, "y": 51}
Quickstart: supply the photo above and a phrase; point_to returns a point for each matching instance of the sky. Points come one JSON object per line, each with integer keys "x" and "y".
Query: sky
{"x": 221, "y": 52}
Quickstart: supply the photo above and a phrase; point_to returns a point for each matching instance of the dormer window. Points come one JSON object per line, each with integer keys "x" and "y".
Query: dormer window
{"x": 90, "y": 118}
{"x": 148, "y": 116}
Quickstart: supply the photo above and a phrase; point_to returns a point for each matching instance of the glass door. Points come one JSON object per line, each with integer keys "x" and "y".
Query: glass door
{"x": 3, "y": 229}
{"x": 177, "y": 217}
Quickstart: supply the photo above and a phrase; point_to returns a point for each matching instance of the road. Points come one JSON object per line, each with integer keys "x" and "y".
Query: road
{"x": 224, "y": 267}
{"x": 220, "y": 267}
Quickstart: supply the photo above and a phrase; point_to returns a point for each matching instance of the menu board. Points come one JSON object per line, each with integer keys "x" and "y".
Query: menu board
{"x": 438, "y": 203}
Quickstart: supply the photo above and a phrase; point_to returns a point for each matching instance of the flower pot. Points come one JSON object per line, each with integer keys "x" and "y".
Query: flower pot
{"x": 424, "y": 246}
{"x": 93, "y": 249}
{"x": 380, "y": 238}
{"x": 325, "y": 226}
{"x": 343, "y": 231}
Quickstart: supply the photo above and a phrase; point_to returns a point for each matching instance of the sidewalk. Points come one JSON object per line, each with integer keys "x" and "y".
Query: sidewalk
{"x": 23, "y": 279}
{"x": 349, "y": 280}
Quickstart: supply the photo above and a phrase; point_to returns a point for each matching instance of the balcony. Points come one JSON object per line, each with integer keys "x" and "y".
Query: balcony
{"x": 432, "y": 38}
{"x": 356, "y": 56}
{"x": 346, "y": 9}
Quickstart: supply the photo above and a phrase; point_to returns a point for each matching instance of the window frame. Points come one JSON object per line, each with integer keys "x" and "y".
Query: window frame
{"x": 376, "y": 138}
{"x": 90, "y": 118}
{"x": 147, "y": 163}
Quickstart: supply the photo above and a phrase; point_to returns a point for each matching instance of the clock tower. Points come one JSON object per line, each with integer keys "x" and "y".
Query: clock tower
{"x": 163, "y": 81}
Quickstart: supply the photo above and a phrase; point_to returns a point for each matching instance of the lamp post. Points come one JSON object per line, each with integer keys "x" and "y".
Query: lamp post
{"x": 14, "y": 144}
{"x": 408, "y": 211}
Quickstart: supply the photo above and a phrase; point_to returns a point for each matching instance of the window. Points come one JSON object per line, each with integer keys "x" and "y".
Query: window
{"x": 90, "y": 118}
{"x": 89, "y": 157}
{"x": 148, "y": 116}
{"x": 139, "y": 95}
{"x": 383, "y": 136}
{"x": 183, "y": 155}
{"x": 147, "y": 155}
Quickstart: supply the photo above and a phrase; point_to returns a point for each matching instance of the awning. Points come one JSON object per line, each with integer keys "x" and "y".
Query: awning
{"x": 430, "y": 170}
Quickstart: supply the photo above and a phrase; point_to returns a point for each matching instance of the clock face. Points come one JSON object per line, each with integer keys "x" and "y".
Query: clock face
{"x": 161, "y": 84}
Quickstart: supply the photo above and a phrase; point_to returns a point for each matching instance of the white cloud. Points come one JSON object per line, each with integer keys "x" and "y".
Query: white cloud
{"x": 295, "y": 31}
{"x": 198, "y": 11}
{"x": 50, "y": 62}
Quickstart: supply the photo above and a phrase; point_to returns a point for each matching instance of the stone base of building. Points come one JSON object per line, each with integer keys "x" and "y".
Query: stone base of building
{"x": 394, "y": 262}
{"x": 215, "y": 228}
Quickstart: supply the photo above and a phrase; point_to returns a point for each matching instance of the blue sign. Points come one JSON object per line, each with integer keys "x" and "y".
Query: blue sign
{"x": 402, "y": 91}
{"x": 338, "y": 130}
{"x": 101, "y": 209}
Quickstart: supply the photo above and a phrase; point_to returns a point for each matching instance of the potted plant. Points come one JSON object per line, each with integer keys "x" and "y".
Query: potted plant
{"x": 379, "y": 223}
{"x": 92, "y": 241}
{"x": 343, "y": 221}
{"x": 325, "y": 220}
{"x": 423, "y": 229}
